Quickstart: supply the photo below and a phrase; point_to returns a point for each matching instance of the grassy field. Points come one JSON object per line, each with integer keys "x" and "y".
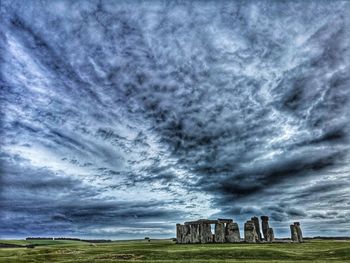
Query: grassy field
{"x": 168, "y": 251}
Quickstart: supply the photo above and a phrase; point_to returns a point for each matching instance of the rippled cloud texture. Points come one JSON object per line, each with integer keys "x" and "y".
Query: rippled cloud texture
{"x": 120, "y": 119}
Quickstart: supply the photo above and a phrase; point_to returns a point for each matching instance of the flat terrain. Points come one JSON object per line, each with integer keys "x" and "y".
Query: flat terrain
{"x": 168, "y": 251}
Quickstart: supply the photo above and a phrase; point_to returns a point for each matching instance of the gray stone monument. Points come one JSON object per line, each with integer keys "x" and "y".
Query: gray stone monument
{"x": 195, "y": 234}
{"x": 206, "y": 236}
{"x": 226, "y": 231}
{"x": 257, "y": 227}
{"x": 270, "y": 235}
{"x": 250, "y": 235}
{"x": 220, "y": 232}
{"x": 232, "y": 233}
{"x": 265, "y": 226}
{"x": 183, "y": 234}
{"x": 295, "y": 232}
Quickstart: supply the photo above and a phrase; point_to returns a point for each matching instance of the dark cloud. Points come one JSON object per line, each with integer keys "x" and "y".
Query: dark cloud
{"x": 37, "y": 202}
{"x": 140, "y": 115}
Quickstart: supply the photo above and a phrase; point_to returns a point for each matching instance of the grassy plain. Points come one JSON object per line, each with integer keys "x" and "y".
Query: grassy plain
{"x": 168, "y": 251}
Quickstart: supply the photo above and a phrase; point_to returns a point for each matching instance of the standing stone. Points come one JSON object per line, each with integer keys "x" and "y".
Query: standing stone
{"x": 270, "y": 235}
{"x": 195, "y": 235}
{"x": 257, "y": 227}
{"x": 178, "y": 233}
{"x": 219, "y": 232}
{"x": 206, "y": 236}
{"x": 250, "y": 235}
{"x": 298, "y": 230}
{"x": 264, "y": 225}
{"x": 294, "y": 233}
{"x": 266, "y": 229}
{"x": 182, "y": 234}
{"x": 186, "y": 238}
{"x": 232, "y": 234}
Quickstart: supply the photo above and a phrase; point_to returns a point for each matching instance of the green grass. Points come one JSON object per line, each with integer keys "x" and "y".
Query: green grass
{"x": 42, "y": 242}
{"x": 168, "y": 251}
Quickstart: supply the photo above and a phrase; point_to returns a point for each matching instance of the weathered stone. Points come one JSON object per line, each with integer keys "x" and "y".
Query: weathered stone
{"x": 294, "y": 233}
{"x": 178, "y": 233}
{"x": 195, "y": 234}
{"x": 232, "y": 234}
{"x": 182, "y": 234}
{"x": 257, "y": 227}
{"x": 225, "y": 231}
{"x": 206, "y": 236}
{"x": 298, "y": 230}
{"x": 250, "y": 234}
{"x": 224, "y": 220}
{"x": 270, "y": 235}
{"x": 187, "y": 234}
{"x": 219, "y": 232}
{"x": 265, "y": 226}
{"x": 201, "y": 221}
{"x": 266, "y": 229}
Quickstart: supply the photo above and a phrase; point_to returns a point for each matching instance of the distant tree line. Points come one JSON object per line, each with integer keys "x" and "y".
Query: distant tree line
{"x": 70, "y": 238}
{"x": 39, "y": 238}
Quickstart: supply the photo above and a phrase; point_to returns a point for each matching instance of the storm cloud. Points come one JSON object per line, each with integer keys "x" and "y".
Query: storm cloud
{"x": 120, "y": 119}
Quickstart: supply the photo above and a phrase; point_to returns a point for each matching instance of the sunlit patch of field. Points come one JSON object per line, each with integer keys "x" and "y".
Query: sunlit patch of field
{"x": 168, "y": 251}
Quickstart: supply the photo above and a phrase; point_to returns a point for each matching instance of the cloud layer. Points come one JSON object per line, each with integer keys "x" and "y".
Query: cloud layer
{"x": 119, "y": 120}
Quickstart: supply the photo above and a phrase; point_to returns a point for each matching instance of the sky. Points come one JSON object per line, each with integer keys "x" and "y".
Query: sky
{"x": 120, "y": 119}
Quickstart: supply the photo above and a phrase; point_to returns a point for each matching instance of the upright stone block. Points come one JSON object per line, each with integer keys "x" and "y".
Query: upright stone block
{"x": 257, "y": 227}
{"x": 298, "y": 230}
{"x": 265, "y": 226}
{"x": 270, "y": 235}
{"x": 294, "y": 233}
{"x": 266, "y": 229}
{"x": 206, "y": 236}
{"x": 250, "y": 235}
{"x": 178, "y": 233}
{"x": 195, "y": 235}
{"x": 186, "y": 237}
{"x": 232, "y": 234}
{"x": 182, "y": 234}
{"x": 219, "y": 232}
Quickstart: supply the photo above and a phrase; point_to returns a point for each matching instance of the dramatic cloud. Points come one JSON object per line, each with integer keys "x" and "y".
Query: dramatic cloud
{"x": 120, "y": 119}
